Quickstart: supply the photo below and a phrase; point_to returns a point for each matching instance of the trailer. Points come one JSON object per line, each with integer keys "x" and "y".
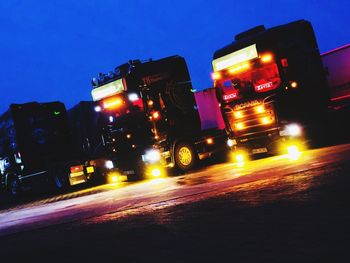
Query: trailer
{"x": 151, "y": 114}
{"x": 35, "y": 148}
{"x": 337, "y": 69}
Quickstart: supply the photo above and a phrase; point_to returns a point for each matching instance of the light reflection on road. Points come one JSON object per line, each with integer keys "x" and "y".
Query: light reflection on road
{"x": 263, "y": 180}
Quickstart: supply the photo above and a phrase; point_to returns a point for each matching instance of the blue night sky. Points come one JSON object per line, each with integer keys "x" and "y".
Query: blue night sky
{"x": 50, "y": 50}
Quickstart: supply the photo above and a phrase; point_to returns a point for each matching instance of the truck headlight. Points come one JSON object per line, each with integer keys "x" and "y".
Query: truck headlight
{"x": 231, "y": 142}
{"x": 109, "y": 164}
{"x": 293, "y": 129}
{"x": 151, "y": 156}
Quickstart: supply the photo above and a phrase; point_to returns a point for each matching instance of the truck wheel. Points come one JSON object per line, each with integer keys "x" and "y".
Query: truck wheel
{"x": 185, "y": 156}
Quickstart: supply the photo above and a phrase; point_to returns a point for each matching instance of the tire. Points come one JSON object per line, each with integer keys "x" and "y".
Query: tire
{"x": 185, "y": 156}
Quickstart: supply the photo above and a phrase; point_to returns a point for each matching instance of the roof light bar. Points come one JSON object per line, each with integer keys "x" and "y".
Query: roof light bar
{"x": 108, "y": 90}
{"x": 235, "y": 58}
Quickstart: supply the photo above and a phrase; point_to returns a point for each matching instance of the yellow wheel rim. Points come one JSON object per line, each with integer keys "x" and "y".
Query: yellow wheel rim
{"x": 185, "y": 156}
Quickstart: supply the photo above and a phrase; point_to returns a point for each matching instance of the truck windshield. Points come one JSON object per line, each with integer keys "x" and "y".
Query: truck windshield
{"x": 249, "y": 80}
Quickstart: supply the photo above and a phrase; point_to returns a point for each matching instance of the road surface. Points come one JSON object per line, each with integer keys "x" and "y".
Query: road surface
{"x": 274, "y": 208}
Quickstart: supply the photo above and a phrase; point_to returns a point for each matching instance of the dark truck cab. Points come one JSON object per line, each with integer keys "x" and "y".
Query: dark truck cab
{"x": 35, "y": 148}
{"x": 151, "y": 114}
{"x": 272, "y": 88}
{"x": 86, "y": 132}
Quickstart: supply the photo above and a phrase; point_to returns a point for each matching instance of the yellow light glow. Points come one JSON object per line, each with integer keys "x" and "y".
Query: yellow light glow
{"x": 239, "y": 158}
{"x": 216, "y": 75}
{"x": 239, "y": 68}
{"x": 238, "y": 114}
{"x": 150, "y": 103}
{"x": 294, "y": 84}
{"x": 90, "y": 169}
{"x": 240, "y": 126}
{"x": 156, "y": 172}
{"x": 112, "y": 103}
{"x": 116, "y": 177}
{"x": 155, "y": 115}
{"x": 210, "y": 141}
{"x": 293, "y": 152}
{"x": 292, "y": 149}
{"x": 260, "y": 109}
{"x": 128, "y": 136}
{"x": 266, "y": 58}
{"x": 265, "y": 120}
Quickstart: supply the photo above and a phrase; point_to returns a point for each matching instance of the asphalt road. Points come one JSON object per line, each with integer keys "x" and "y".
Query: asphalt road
{"x": 268, "y": 210}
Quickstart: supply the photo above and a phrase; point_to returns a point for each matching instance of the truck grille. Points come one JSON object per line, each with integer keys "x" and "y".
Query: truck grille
{"x": 253, "y": 118}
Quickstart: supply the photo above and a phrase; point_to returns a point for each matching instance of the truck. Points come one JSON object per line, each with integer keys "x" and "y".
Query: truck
{"x": 152, "y": 118}
{"x": 85, "y": 131}
{"x": 272, "y": 89}
{"x": 35, "y": 148}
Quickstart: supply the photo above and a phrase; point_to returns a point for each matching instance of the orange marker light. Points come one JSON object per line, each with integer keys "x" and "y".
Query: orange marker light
{"x": 156, "y": 115}
{"x": 240, "y": 126}
{"x": 294, "y": 84}
{"x": 238, "y": 114}
{"x": 266, "y": 58}
{"x": 260, "y": 109}
{"x": 210, "y": 141}
{"x": 265, "y": 120}
{"x": 216, "y": 75}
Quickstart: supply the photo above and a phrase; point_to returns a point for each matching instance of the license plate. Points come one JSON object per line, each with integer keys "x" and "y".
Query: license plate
{"x": 259, "y": 150}
{"x": 129, "y": 172}
{"x": 90, "y": 169}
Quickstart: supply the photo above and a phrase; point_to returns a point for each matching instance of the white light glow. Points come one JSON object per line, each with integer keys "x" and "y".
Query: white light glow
{"x": 293, "y": 129}
{"x": 151, "y": 156}
{"x": 109, "y": 164}
{"x": 133, "y": 97}
{"x": 235, "y": 58}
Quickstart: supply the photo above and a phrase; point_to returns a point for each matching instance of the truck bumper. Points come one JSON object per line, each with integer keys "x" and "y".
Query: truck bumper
{"x": 267, "y": 143}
